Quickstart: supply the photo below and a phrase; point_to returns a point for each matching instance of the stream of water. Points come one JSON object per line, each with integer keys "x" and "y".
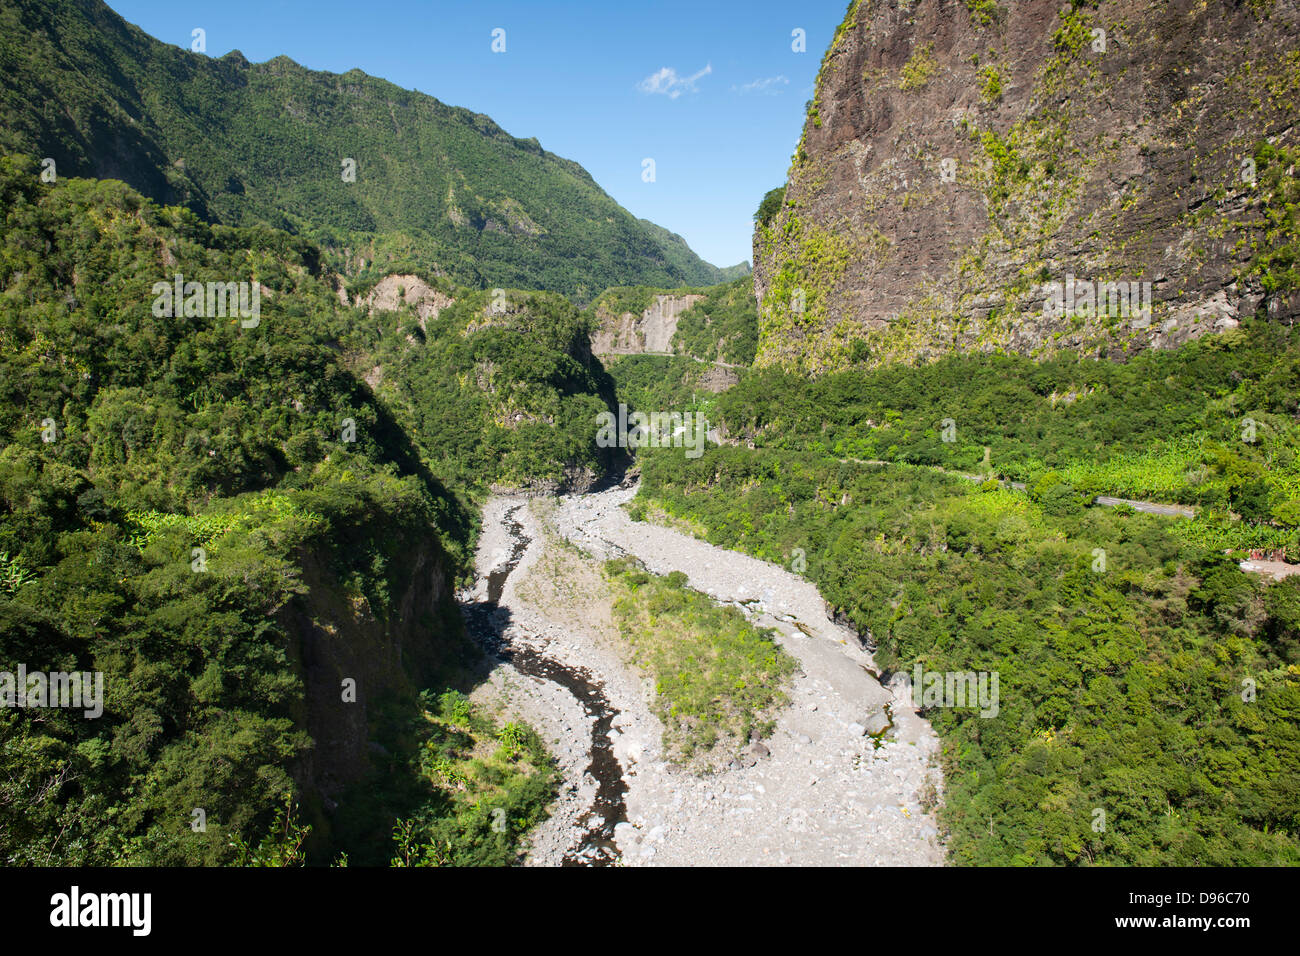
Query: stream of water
{"x": 488, "y": 621}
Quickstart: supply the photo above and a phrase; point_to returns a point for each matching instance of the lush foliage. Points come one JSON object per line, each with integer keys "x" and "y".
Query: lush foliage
{"x": 717, "y": 678}
{"x": 770, "y": 206}
{"x": 722, "y": 327}
{"x": 509, "y": 396}
{"x": 668, "y": 382}
{"x": 1142, "y": 674}
{"x": 1212, "y": 424}
{"x": 182, "y": 499}
{"x": 1121, "y": 679}
{"x": 435, "y": 186}
{"x": 489, "y": 784}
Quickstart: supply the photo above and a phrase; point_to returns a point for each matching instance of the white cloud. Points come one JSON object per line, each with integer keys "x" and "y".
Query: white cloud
{"x": 669, "y": 84}
{"x": 769, "y": 85}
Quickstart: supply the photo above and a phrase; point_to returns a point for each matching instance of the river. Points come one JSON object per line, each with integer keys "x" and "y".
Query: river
{"x": 848, "y": 777}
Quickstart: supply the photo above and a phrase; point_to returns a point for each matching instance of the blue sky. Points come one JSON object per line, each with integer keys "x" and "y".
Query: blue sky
{"x": 711, "y": 90}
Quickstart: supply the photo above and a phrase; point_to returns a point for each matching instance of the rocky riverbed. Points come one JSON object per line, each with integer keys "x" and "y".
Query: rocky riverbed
{"x": 844, "y": 780}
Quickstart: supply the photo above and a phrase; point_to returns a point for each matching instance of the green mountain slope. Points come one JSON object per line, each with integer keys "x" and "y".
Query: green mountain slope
{"x": 217, "y": 515}
{"x": 436, "y": 186}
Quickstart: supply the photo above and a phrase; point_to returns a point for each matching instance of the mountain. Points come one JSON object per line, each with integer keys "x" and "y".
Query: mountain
{"x": 679, "y": 254}
{"x": 962, "y": 164}
{"x": 230, "y": 516}
{"x": 437, "y": 188}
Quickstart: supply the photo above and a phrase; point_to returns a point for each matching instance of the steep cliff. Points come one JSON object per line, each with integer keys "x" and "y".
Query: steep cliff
{"x": 972, "y": 174}
{"x": 387, "y": 654}
{"x": 718, "y": 324}
{"x": 649, "y": 330}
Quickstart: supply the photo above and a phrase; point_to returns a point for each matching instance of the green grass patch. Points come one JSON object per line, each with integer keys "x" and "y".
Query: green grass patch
{"x": 718, "y": 679}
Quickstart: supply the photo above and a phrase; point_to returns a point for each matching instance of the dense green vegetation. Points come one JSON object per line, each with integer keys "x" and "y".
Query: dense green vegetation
{"x": 435, "y": 187}
{"x": 1127, "y": 649}
{"x": 723, "y": 327}
{"x": 625, "y": 298}
{"x": 668, "y": 382}
{"x": 182, "y": 499}
{"x": 509, "y": 397}
{"x": 718, "y": 679}
{"x": 492, "y": 784}
{"x": 770, "y": 206}
{"x": 1211, "y": 424}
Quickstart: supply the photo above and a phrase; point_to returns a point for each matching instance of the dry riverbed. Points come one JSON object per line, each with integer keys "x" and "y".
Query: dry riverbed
{"x": 820, "y": 791}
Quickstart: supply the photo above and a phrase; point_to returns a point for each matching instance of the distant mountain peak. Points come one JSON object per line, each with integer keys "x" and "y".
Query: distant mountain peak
{"x": 346, "y": 159}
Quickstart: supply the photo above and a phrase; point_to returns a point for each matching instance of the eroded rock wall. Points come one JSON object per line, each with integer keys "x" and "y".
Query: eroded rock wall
{"x": 650, "y": 332}
{"x": 962, "y": 156}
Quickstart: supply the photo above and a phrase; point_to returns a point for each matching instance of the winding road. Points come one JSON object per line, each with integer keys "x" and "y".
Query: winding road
{"x": 1149, "y": 507}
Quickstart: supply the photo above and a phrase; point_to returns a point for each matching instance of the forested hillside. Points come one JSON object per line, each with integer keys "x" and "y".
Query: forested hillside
{"x": 369, "y": 170}
{"x": 1142, "y": 673}
{"x": 494, "y": 390}
{"x": 216, "y": 514}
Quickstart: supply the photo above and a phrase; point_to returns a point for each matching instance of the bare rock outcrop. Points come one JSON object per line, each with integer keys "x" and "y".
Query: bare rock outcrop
{"x": 392, "y": 292}
{"x": 651, "y": 332}
{"x": 960, "y": 159}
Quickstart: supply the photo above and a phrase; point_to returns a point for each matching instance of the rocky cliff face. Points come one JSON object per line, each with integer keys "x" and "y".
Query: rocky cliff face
{"x": 385, "y": 655}
{"x": 649, "y": 332}
{"x": 974, "y": 174}
{"x": 392, "y": 292}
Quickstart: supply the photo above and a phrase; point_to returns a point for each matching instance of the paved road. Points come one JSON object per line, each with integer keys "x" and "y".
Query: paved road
{"x": 1149, "y": 507}
{"x": 1180, "y": 511}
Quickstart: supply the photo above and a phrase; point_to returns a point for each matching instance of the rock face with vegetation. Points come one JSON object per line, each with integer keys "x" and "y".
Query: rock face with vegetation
{"x": 376, "y": 173}
{"x": 962, "y": 156}
{"x": 634, "y": 333}
{"x": 392, "y": 292}
{"x": 718, "y": 324}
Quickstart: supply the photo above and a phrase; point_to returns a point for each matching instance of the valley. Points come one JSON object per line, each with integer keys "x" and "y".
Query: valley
{"x": 840, "y": 781}
{"x": 379, "y": 566}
